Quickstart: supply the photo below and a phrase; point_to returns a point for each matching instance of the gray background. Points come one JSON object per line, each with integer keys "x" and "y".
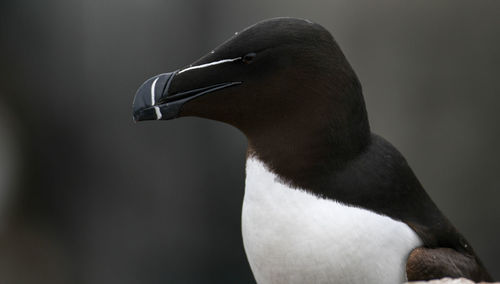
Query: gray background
{"x": 87, "y": 196}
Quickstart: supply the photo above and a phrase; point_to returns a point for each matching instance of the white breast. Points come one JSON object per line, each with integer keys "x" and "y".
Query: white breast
{"x": 291, "y": 236}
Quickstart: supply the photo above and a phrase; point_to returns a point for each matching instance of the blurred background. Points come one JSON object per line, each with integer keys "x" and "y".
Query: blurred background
{"x": 87, "y": 196}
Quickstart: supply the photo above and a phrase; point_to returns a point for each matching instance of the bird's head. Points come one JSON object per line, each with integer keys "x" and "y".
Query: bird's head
{"x": 276, "y": 71}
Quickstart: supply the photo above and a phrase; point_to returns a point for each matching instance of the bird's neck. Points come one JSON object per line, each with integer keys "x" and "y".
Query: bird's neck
{"x": 309, "y": 136}
{"x": 308, "y": 149}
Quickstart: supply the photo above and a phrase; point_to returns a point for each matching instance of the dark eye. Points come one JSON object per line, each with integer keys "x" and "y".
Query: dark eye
{"x": 249, "y": 57}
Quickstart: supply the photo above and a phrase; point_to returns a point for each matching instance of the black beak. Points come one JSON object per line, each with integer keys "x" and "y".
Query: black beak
{"x": 153, "y": 102}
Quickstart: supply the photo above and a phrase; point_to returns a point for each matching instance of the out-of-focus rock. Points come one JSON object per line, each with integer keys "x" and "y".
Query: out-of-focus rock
{"x": 448, "y": 281}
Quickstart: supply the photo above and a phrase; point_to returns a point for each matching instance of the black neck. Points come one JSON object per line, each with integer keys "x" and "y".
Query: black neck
{"x": 303, "y": 148}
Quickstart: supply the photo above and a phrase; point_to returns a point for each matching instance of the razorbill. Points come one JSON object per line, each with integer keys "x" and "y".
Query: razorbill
{"x": 326, "y": 200}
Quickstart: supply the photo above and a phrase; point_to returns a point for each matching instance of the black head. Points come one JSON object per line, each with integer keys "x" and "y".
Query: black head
{"x": 276, "y": 80}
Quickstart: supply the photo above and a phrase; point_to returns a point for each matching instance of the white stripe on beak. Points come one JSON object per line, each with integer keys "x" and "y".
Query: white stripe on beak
{"x": 158, "y": 113}
{"x": 157, "y": 109}
{"x": 153, "y": 91}
{"x": 209, "y": 64}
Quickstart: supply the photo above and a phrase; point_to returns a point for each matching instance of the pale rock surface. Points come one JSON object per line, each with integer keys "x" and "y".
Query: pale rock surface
{"x": 448, "y": 281}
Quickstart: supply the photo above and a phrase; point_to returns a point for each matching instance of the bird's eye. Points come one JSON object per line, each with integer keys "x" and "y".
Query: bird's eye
{"x": 248, "y": 58}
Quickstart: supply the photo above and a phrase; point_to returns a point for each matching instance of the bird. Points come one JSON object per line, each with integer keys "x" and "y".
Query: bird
{"x": 326, "y": 200}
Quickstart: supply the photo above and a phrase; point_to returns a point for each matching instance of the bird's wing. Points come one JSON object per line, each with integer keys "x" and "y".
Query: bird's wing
{"x": 380, "y": 180}
{"x": 435, "y": 263}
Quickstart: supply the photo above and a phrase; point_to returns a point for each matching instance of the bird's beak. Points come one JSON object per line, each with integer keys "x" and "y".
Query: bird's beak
{"x": 155, "y": 100}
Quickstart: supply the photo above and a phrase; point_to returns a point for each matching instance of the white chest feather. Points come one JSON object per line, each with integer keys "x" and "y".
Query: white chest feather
{"x": 291, "y": 236}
